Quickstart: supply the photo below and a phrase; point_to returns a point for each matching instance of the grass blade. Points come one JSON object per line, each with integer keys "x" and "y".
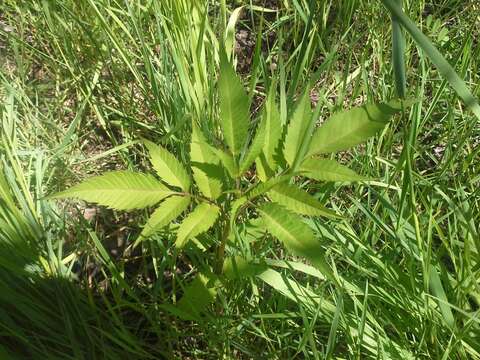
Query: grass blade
{"x": 435, "y": 56}
{"x": 398, "y": 53}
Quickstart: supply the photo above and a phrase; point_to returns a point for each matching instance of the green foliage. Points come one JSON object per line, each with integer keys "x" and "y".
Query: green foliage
{"x": 200, "y": 293}
{"x": 236, "y": 268}
{"x": 349, "y": 128}
{"x": 223, "y": 202}
{"x": 168, "y": 168}
{"x": 394, "y": 6}
{"x": 255, "y": 148}
{"x": 299, "y": 201}
{"x": 273, "y": 133}
{"x": 168, "y": 211}
{"x": 234, "y": 107}
{"x": 328, "y": 170}
{"x": 227, "y": 161}
{"x": 81, "y": 80}
{"x": 291, "y": 230}
{"x": 204, "y": 165}
{"x": 122, "y": 190}
{"x": 198, "y": 221}
{"x": 398, "y": 56}
{"x": 297, "y": 132}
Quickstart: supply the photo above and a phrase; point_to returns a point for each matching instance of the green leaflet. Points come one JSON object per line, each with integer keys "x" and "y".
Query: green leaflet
{"x": 238, "y": 268}
{"x": 235, "y": 207}
{"x": 328, "y": 170}
{"x": 168, "y": 211}
{"x": 299, "y": 201}
{"x": 227, "y": 161}
{"x": 297, "y": 129}
{"x": 202, "y": 158}
{"x": 234, "y": 107}
{"x": 273, "y": 128}
{"x": 352, "y": 127}
{"x": 200, "y": 293}
{"x": 255, "y": 148}
{"x": 290, "y": 229}
{"x": 198, "y": 221}
{"x": 121, "y": 190}
{"x": 263, "y": 188}
{"x": 168, "y": 168}
{"x": 263, "y": 171}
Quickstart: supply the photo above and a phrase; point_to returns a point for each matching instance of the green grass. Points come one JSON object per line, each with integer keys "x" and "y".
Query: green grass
{"x": 82, "y": 81}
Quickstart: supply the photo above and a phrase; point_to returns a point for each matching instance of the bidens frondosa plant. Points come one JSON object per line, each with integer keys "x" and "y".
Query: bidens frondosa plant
{"x": 217, "y": 192}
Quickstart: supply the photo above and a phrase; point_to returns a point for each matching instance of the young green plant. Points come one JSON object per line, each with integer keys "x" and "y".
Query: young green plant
{"x": 216, "y": 189}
